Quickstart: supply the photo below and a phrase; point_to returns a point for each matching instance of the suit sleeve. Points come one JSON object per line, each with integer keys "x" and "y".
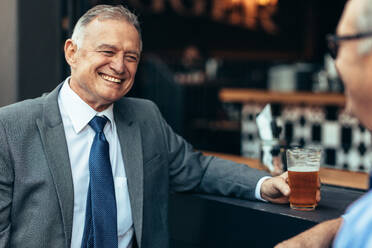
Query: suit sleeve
{"x": 6, "y": 189}
{"x": 190, "y": 170}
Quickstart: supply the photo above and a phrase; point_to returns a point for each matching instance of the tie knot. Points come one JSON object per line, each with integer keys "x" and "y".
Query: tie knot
{"x": 98, "y": 123}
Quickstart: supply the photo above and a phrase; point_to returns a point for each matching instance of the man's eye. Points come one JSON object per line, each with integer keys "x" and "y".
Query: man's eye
{"x": 132, "y": 58}
{"x": 110, "y": 53}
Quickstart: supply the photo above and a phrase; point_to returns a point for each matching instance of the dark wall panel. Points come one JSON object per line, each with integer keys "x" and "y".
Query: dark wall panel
{"x": 39, "y": 47}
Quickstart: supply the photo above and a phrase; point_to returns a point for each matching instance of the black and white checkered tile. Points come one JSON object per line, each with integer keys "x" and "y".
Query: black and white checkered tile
{"x": 346, "y": 144}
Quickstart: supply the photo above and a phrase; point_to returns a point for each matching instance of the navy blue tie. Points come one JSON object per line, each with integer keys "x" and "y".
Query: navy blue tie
{"x": 100, "y": 229}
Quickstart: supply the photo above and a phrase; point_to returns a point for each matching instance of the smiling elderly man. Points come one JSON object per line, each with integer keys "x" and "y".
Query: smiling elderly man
{"x": 84, "y": 166}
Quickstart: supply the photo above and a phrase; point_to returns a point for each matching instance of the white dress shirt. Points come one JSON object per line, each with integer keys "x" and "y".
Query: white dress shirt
{"x": 76, "y": 115}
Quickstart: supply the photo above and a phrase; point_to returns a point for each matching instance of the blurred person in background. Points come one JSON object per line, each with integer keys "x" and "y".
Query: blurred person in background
{"x": 351, "y": 48}
{"x": 192, "y": 67}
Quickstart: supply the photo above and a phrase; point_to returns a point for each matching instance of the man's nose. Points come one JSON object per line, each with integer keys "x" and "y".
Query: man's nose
{"x": 117, "y": 64}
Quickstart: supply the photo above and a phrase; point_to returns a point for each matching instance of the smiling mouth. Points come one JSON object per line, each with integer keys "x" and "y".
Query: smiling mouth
{"x": 110, "y": 78}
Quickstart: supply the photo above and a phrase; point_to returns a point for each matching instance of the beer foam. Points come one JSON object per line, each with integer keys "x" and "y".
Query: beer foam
{"x": 299, "y": 168}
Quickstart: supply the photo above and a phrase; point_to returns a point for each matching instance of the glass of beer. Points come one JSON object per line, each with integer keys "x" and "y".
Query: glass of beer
{"x": 303, "y": 175}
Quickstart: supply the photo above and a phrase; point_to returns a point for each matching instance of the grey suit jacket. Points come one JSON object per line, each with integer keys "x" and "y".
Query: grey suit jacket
{"x": 36, "y": 188}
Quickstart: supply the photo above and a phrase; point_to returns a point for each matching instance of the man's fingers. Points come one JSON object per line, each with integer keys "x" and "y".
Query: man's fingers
{"x": 318, "y": 191}
{"x": 284, "y": 176}
{"x": 281, "y": 200}
{"x": 283, "y": 187}
{"x": 319, "y": 182}
{"x": 318, "y": 196}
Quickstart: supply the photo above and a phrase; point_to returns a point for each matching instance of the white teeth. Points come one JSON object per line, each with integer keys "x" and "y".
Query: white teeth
{"x": 112, "y": 79}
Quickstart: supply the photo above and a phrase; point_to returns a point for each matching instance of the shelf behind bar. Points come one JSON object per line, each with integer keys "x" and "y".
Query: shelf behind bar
{"x": 343, "y": 178}
{"x": 262, "y": 96}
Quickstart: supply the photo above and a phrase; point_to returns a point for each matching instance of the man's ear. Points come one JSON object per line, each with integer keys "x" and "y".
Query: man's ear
{"x": 70, "y": 52}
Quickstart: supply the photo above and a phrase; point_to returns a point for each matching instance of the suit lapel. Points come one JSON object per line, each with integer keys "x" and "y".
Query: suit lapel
{"x": 131, "y": 147}
{"x": 55, "y": 147}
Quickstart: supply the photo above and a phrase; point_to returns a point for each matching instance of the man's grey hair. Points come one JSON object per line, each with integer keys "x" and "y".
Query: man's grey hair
{"x": 364, "y": 24}
{"x": 104, "y": 12}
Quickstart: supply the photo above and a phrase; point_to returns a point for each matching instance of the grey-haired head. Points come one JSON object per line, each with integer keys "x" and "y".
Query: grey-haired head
{"x": 104, "y": 12}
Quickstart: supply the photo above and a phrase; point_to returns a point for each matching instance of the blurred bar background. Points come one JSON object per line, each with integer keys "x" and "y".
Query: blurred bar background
{"x": 210, "y": 66}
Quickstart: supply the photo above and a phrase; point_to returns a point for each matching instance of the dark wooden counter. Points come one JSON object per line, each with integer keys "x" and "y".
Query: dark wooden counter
{"x": 198, "y": 221}
{"x": 263, "y": 96}
{"x": 344, "y": 178}
{"x": 213, "y": 221}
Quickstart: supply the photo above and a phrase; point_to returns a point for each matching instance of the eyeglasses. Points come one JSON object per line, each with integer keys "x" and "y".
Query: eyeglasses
{"x": 333, "y": 41}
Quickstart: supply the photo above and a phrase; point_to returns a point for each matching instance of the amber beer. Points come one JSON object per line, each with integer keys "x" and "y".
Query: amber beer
{"x": 303, "y": 182}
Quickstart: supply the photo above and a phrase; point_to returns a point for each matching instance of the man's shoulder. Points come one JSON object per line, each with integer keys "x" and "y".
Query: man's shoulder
{"x": 138, "y": 109}
{"x": 139, "y": 106}
{"x": 136, "y": 102}
{"x": 23, "y": 110}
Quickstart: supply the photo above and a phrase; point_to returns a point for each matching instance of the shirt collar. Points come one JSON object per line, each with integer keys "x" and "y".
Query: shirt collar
{"x": 79, "y": 112}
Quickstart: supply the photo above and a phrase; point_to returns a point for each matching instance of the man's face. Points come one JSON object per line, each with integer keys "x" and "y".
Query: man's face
{"x": 104, "y": 67}
{"x": 354, "y": 69}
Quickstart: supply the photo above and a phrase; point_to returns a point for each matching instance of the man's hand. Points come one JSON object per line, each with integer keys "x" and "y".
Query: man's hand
{"x": 319, "y": 236}
{"x": 276, "y": 189}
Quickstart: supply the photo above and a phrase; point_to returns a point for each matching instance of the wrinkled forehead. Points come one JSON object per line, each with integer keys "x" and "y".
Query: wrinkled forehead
{"x": 118, "y": 30}
{"x": 101, "y": 23}
{"x": 348, "y": 22}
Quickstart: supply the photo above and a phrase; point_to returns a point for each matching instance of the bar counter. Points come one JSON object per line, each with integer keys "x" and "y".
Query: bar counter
{"x": 336, "y": 177}
{"x": 213, "y": 221}
{"x": 263, "y": 96}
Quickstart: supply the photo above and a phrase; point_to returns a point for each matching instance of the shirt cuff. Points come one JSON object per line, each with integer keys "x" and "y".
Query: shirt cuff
{"x": 257, "y": 192}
